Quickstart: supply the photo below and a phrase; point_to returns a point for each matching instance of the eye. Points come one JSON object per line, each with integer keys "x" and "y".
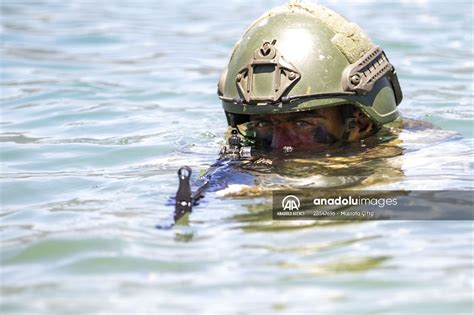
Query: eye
{"x": 262, "y": 124}
{"x": 302, "y": 123}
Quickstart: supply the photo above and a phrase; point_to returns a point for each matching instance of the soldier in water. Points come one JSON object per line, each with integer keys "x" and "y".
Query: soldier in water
{"x": 303, "y": 77}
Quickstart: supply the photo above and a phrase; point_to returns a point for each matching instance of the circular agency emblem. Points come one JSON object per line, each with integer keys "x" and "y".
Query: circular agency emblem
{"x": 290, "y": 203}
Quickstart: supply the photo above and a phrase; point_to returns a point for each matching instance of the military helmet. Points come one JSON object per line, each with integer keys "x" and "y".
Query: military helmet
{"x": 300, "y": 57}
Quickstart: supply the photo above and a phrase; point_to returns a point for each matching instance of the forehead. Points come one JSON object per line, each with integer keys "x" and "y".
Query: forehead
{"x": 329, "y": 113}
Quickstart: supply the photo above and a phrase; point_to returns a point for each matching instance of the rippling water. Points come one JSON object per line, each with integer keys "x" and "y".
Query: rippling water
{"x": 103, "y": 101}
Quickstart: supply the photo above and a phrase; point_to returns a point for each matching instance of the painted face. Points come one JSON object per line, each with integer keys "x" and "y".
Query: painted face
{"x": 304, "y": 130}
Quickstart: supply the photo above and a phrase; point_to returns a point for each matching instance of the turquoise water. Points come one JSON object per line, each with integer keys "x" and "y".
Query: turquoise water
{"x": 103, "y": 101}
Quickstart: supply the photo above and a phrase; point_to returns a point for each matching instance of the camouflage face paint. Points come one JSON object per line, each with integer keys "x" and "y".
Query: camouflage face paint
{"x": 321, "y": 135}
{"x": 265, "y": 141}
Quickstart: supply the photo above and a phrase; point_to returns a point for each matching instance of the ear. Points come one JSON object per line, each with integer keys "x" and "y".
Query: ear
{"x": 363, "y": 127}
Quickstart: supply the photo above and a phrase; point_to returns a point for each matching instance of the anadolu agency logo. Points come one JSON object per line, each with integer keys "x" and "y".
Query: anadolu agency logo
{"x": 291, "y": 203}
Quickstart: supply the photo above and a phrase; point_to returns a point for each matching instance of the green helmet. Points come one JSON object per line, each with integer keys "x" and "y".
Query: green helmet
{"x": 302, "y": 57}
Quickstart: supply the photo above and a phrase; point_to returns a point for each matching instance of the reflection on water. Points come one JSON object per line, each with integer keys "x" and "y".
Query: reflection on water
{"x": 103, "y": 102}
{"x": 259, "y": 219}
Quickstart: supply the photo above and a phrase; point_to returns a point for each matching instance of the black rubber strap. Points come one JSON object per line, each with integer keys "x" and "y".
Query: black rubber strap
{"x": 349, "y": 125}
{"x": 349, "y": 122}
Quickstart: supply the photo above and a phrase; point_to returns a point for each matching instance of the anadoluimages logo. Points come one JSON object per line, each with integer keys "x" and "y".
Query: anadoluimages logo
{"x": 290, "y": 203}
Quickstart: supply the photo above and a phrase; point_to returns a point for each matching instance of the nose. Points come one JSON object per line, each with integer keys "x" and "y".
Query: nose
{"x": 281, "y": 137}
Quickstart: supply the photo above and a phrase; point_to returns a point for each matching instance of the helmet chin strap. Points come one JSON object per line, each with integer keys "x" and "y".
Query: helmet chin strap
{"x": 349, "y": 122}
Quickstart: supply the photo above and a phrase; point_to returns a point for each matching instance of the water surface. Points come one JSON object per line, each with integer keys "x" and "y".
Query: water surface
{"x": 103, "y": 101}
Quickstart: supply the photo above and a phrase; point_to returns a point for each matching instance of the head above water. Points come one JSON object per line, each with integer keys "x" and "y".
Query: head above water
{"x": 316, "y": 129}
{"x": 303, "y": 76}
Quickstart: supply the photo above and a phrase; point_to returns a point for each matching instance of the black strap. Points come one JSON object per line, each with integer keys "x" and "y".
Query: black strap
{"x": 349, "y": 122}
